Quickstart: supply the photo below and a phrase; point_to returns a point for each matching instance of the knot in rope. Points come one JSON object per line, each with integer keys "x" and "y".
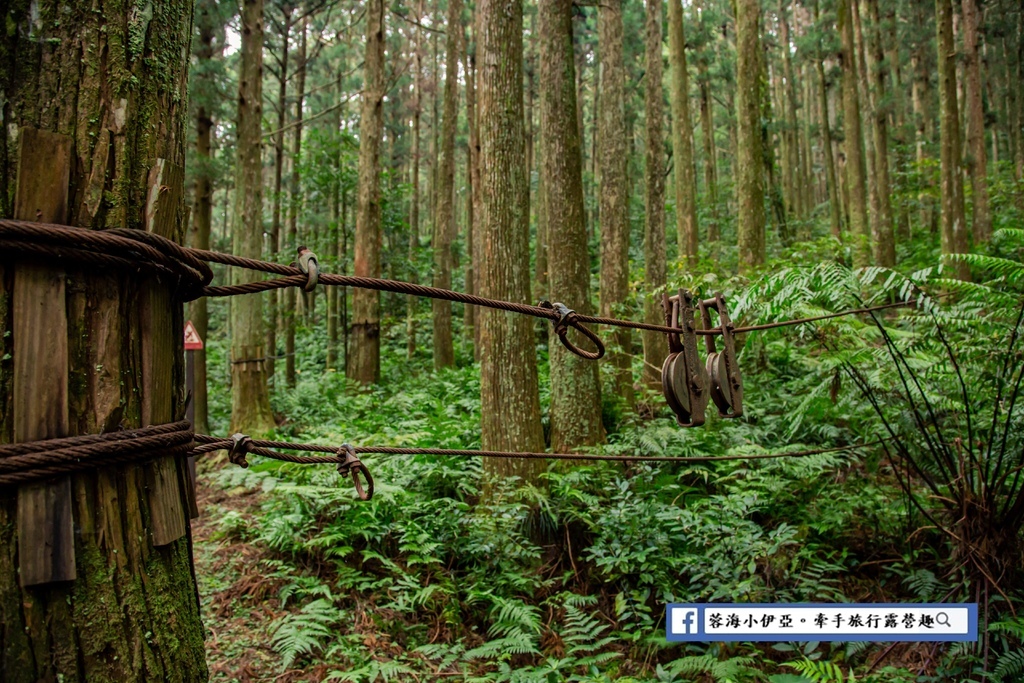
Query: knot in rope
{"x": 568, "y": 318}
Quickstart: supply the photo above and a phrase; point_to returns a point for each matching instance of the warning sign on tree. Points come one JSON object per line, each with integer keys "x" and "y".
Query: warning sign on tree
{"x": 192, "y": 340}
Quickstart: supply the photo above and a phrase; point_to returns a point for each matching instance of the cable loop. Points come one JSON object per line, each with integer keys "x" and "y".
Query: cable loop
{"x": 309, "y": 265}
{"x": 353, "y": 465}
{"x": 240, "y": 445}
{"x": 568, "y": 318}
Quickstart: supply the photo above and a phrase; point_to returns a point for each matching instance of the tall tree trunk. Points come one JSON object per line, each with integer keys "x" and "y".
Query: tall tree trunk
{"x": 414, "y": 204}
{"x": 337, "y": 220}
{"x": 202, "y": 213}
{"x": 469, "y": 321}
{"x": 472, "y": 320}
{"x": 835, "y": 206}
{"x": 541, "y": 257}
{"x": 792, "y": 158}
{"x": 749, "y": 152}
{"x": 444, "y": 224}
{"x": 982, "y": 228}
{"x": 954, "y": 232}
{"x": 250, "y": 399}
{"x": 853, "y": 139}
{"x": 132, "y": 613}
{"x": 655, "y": 344}
{"x": 364, "y": 366}
{"x": 1018, "y": 110}
{"x": 274, "y": 238}
{"x": 575, "y": 408}
{"x": 682, "y": 140}
{"x": 509, "y": 395}
{"x": 614, "y": 189}
{"x": 290, "y": 307}
{"x": 884, "y": 236}
{"x": 866, "y": 107}
{"x": 919, "y": 97}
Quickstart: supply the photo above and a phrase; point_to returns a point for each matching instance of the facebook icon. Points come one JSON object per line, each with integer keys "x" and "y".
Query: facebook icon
{"x": 684, "y": 620}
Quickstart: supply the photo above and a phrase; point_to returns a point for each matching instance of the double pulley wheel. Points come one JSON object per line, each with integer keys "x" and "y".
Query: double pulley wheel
{"x": 688, "y": 383}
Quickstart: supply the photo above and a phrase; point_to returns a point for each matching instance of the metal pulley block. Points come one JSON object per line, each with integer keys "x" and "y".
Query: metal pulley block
{"x": 684, "y": 380}
{"x": 722, "y": 366}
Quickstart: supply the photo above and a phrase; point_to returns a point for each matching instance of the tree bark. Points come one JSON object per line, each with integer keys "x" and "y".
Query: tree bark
{"x": 509, "y": 396}
{"x": 472, "y": 318}
{"x": 575, "y": 409}
{"x": 682, "y": 140}
{"x": 290, "y": 297}
{"x": 976, "y": 166}
{"x": 853, "y": 140}
{"x": 794, "y": 204}
{"x": 337, "y": 216}
{"x": 749, "y": 161}
{"x": 835, "y": 206}
{"x": 444, "y": 224}
{"x": 953, "y": 232}
{"x": 202, "y": 213}
{"x": 414, "y": 203}
{"x": 364, "y": 366}
{"x": 655, "y": 344}
{"x": 884, "y": 235}
{"x": 112, "y": 85}
{"x": 274, "y": 238}
{"x": 614, "y": 190}
{"x": 250, "y": 399}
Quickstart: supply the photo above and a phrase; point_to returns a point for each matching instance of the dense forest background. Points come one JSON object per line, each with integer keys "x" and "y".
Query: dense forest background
{"x": 802, "y": 158}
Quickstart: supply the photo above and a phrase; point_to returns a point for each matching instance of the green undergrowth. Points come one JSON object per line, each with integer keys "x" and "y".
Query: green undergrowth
{"x": 567, "y": 580}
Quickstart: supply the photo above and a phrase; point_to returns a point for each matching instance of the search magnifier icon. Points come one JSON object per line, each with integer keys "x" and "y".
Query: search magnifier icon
{"x": 942, "y": 619}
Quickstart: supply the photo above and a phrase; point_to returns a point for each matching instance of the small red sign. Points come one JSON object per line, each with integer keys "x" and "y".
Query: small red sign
{"x": 192, "y": 339}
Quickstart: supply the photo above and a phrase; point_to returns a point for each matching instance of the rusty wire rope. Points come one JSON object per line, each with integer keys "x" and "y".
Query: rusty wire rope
{"x": 143, "y": 252}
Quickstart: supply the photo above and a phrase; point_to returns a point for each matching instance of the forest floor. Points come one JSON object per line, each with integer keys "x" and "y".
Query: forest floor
{"x": 238, "y": 602}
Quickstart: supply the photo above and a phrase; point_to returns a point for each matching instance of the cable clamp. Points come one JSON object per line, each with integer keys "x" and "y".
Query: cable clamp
{"x": 567, "y": 318}
{"x": 309, "y": 265}
{"x": 353, "y": 465}
{"x": 240, "y": 444}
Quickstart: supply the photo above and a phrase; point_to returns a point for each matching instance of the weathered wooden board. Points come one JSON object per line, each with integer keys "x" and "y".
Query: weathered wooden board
{"x": 160, "y": 342}
{"x": 46, "y": 547}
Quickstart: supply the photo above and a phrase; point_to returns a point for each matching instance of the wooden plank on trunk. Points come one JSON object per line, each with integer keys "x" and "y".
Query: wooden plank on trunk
{"x": 161, "y": 340}
{"x": 46, "y": 546}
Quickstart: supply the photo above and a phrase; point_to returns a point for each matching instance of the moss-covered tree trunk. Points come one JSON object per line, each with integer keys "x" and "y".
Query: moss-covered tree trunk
{"x": 853, "y": 142}
{"x": 575, "y": 407}
{"x": 509, "y": 396}
{"x": 614, "y": 190}
{"x": 250, "y": 398}
{"x": 364, "y": 363}
{"x": 112, "y": 81}
{"x": 682, "y": 134}
{"x": 749, "y": 152}
{"x": 444, "y": 223}
{"x": 951, "y": 188}
{"x": 655, "y": 344}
